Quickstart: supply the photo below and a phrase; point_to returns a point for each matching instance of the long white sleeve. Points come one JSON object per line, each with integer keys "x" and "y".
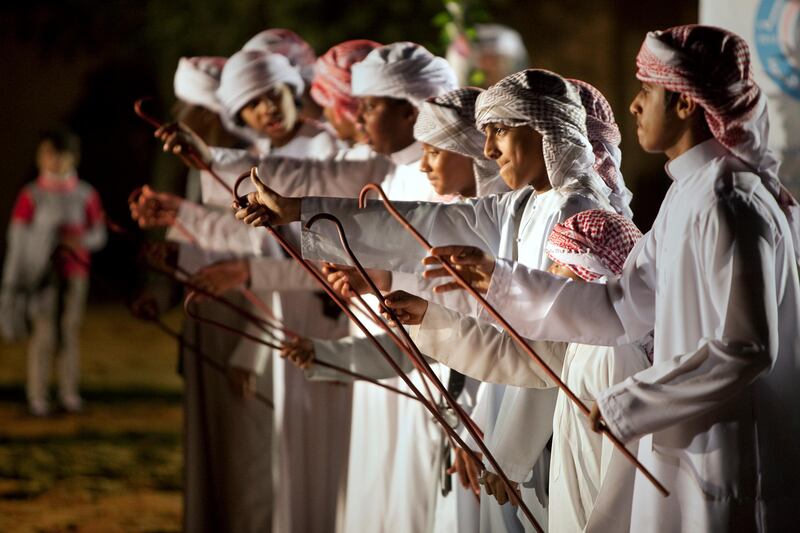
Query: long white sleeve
{"x": 740, "y": 247}
{"x": 543, "y": 306}
{"x": 228, "y": 164}
{"x": 279, "y": 274}
{"x": 218, "y": 231}
{"x": 380, "y": 241}
{"x": 479, "y": 350}
{"x": 417, "y": 285}
{"x": 341, "y": 176}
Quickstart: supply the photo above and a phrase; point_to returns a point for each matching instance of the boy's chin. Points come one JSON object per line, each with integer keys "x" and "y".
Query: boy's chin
{"x": 511, "y": 179}
{"x": 647, "y": 144}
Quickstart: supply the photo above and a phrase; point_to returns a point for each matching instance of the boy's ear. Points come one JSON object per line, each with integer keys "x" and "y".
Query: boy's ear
{"x": 686, "y": 106}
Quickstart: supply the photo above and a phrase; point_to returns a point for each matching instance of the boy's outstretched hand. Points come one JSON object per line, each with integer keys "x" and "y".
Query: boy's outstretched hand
{"x": 182, "y": 141}
{"x": 300, "y": 352}
{"x": 154, "y": 209}
{"x": 221, "y": 277}
{"x": 410, "y": 309}
{"x": 265, "y": 205}
{"x": 347, "y": 281}
{"x": 474, "y": 265}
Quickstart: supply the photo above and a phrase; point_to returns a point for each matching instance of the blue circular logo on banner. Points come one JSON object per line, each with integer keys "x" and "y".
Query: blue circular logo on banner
{"x": 778, "y": 43}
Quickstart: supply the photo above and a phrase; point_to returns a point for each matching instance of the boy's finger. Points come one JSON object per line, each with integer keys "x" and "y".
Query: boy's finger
{"x": 447, "y": 287}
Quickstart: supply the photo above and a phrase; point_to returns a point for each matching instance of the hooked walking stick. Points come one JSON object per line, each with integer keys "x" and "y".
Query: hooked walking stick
{"x": 509, "y": 329}
{"x": 133, "y": 199}
{"x": 428, "y": 371}
{"x": 158, "y": 262}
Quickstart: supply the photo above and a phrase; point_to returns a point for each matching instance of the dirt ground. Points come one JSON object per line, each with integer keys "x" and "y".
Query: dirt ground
{"x": 117, "y": 466}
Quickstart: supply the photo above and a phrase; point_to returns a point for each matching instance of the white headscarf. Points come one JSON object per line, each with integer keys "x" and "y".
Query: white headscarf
{"x": 286, "y": 43}
{"x": 552, "y": 106}
{"x": 197, "y": 79}
{"x": 249, "y": 74}
{"x": 405, "y": 71}
{"x": 448, "y": 123}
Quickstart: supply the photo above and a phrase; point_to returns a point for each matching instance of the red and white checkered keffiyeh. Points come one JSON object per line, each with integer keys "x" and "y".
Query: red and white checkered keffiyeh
{"x": 286, "y": 43}
{"x": 712, "y": 66}
{"x": 197, "y": 80}
{"x": 331, "y": 87}
{"x": 593, "y": 243}
{"x": 603, "y": 133}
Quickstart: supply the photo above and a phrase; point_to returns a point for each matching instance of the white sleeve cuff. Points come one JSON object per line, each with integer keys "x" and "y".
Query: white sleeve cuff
{"x": 498, "y": 287}
{"x": 611, "y": 403}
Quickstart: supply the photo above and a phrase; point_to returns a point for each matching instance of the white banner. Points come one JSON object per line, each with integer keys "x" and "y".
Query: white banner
{"x": 772, "y": 29}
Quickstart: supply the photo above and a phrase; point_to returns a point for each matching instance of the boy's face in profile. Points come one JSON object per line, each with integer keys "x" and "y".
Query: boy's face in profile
{"x": 518, "y": 153}
{"x": 448, "y": 172}
{"x": 50, "y": 161}
{"x": 657, "y": 124}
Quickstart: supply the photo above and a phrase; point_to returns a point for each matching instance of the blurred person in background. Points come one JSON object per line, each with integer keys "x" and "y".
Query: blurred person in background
{"x": 44, "y": 284}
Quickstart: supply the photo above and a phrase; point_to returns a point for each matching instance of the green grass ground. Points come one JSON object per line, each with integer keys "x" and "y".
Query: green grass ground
{"x": 117, "y": 466}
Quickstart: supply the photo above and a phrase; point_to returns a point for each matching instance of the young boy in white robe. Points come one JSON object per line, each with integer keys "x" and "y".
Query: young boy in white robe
{"x": 717, "y": 279}
{"x": 391, "y": 82}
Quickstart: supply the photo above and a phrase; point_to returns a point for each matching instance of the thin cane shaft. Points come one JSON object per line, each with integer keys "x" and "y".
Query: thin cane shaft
{"x": 510, "y": 330}
{"x": 263, "y": 324}
{"x": 362, "y": 377}
{"x": 187, "y": 307}
{"x": 366, "y": 309}
{"x": 416, "y": 358}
